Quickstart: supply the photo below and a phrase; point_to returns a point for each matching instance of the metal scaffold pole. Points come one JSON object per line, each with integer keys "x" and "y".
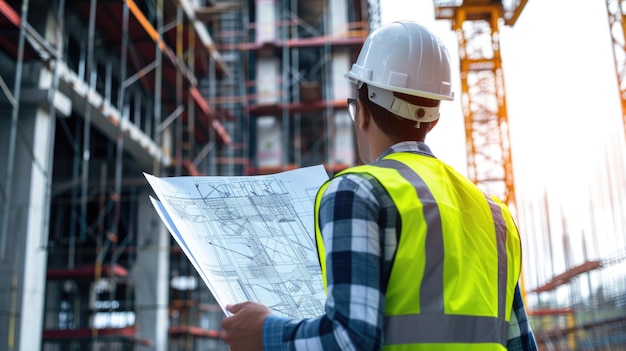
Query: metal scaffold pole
{"x": 52, "y": 113}
{"x": 286, "y": 84}
{"x": 191, "y": 117}
{"x": 326, "y": 82}
{"x": 179, "y": 91}
{"x": 90, "y": 76}
{"x": 157, "y": 86}
{"x": 9, "y": 175}
{"x": 112, "y": 236}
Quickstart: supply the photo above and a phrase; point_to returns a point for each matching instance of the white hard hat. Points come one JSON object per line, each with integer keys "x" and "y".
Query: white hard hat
{"x": 404, "y": 57}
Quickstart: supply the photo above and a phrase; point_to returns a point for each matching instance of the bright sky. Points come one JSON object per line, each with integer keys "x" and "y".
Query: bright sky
{"x": 566, "y": 125}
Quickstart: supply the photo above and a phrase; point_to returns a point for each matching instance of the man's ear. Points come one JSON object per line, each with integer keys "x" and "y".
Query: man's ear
{"x": 432, "y": 125}
{"x": 364, "y": 118}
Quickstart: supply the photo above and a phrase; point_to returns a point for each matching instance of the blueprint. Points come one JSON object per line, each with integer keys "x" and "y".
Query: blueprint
{"x": 250, "y": 238}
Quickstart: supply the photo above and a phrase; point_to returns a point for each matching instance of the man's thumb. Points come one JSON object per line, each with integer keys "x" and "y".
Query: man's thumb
{"x": 236, "y": 307}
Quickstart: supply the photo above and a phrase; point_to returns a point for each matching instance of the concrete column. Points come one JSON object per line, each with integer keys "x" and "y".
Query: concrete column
{"x": 266, "y": 17}
{"x": 268, "y": 146}
{"x": 341, "y": 63}
{"x": 343, "y": 143}
{"x": 338, "y": 15}
{"x": 23, "y": 266}
{"x": 151, "y": 277}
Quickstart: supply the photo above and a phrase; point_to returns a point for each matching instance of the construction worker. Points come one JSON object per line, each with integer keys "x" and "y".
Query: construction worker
{"x": 413, "y": 255}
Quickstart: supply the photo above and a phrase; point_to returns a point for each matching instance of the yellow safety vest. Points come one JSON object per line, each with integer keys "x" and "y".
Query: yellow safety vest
{"x": 457, "y": 262}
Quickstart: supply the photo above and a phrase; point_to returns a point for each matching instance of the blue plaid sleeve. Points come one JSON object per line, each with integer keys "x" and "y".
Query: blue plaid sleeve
{"x": 521, "y": 337}
{"x": 358, "y": 219}
{"x": 350, "y": 220}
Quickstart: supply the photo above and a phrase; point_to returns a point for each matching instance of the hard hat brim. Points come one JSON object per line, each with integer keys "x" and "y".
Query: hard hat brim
{"x": 428, "y": 95}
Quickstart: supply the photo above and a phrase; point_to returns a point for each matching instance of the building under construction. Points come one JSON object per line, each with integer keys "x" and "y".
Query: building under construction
{"x": 96, "y": 92}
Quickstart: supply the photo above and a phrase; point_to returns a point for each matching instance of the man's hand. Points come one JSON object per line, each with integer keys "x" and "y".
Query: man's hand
{"x": 244, "y": 329}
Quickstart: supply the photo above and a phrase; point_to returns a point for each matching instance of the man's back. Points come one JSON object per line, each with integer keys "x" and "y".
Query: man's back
{"x": 447, "y": 260}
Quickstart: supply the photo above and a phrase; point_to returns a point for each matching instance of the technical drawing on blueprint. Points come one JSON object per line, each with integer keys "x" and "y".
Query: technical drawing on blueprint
{"x": 251, "y": 238}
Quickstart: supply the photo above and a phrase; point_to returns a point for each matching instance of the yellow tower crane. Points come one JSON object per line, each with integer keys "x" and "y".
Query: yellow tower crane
{"x": 617, "y": 21}
{"x": 488, "y": 147}
{"x": 477, "y": 23}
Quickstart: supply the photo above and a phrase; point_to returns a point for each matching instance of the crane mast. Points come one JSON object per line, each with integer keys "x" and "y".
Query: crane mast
{"x": 617, "y": 23}
{"x": 488, "y": 147}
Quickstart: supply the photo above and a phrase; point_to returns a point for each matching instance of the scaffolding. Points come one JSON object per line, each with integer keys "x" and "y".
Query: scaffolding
{"x": 99, "y": 92}
{"x": 296, "y": 99}
{"x": 583, "y": 308}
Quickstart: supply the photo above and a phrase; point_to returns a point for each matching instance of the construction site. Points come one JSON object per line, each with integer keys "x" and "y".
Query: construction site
{"x": 95, "y": 93}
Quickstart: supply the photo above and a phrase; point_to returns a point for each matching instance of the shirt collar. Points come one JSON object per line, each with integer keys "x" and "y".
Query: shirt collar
{"x": 407, "y": 146}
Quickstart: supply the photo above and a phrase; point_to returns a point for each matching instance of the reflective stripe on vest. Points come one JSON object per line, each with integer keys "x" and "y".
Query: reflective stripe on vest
{"x": 427, "y": 322}
{"x": 433, "y": 323}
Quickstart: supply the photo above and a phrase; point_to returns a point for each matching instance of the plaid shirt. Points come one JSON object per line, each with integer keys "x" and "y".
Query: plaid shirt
{"x": 357, "y": 268}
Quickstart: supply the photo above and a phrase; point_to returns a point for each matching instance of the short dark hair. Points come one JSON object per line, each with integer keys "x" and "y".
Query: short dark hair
{"x": 393, "y": 125}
